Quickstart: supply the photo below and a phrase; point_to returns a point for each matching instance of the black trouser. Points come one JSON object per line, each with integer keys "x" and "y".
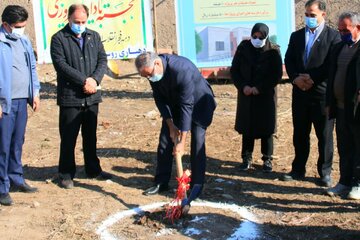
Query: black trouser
{"x": 306, "y": 113}
{"x": 348, "y": 144}
{"x": 267, "y": 148}
{"x": 197, "y": 155}
{"x": 70, "y": 120}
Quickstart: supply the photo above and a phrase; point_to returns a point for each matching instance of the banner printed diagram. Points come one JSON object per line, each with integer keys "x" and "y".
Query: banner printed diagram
{"x": 209, "y": 32}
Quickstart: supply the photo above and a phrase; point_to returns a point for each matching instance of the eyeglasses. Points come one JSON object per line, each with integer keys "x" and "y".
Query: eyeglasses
{"x": 13, "y": 27}
{"x": 152, "y": 73}
{"x": 311, "y": 15}
{"x": 256, "y": 37}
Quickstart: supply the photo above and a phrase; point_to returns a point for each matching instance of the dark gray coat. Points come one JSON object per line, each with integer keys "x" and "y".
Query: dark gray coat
{"x": 351, "y": 87}
{"x": 74, "y": 65}
{"x": 260, "y": 68}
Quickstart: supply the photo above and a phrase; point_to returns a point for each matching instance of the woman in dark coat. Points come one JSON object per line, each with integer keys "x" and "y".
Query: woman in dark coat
{"x": 256, "y": 69}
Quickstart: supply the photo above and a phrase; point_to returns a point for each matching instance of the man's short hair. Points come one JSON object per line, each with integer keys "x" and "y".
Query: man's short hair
{"x": 353, "y": 16}
{"x": 74, "y": 7}
{"x": 145, "y": 59}
{"x": 321, "y": 4}
{"x": 14, "y": 14}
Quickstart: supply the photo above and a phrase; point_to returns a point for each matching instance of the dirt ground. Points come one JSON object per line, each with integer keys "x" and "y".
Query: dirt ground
{"x": 127, "y": 139}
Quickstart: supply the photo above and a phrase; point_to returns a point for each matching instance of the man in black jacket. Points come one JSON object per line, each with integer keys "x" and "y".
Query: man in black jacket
{"x": 306, "y": 62}
{"x": 343, "y": 104}
{"x": 80, "y": 61}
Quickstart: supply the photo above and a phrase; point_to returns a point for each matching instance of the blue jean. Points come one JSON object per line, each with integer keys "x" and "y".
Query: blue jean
{"x": 12, "y": 135}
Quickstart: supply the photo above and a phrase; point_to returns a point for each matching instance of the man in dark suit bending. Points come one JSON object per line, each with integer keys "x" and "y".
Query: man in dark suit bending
{"x": 306, "y": 62}
{"x": 186, "y": 103}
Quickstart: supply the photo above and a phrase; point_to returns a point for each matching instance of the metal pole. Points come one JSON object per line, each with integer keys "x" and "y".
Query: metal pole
{"x": 155, "y": 26}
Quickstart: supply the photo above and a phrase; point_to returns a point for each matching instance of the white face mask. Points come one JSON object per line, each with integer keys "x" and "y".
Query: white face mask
{"x": 257, "y": 43}
{"x": 17, "y": 33}
{"x": 156, "y": 76}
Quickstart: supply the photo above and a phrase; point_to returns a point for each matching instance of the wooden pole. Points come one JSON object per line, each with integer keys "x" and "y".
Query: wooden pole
{"x": 155, "y": 27}
{"x": 179, "y": 166}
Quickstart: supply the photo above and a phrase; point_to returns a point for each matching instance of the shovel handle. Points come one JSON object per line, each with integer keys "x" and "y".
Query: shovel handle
{"x": 179, "y": 167}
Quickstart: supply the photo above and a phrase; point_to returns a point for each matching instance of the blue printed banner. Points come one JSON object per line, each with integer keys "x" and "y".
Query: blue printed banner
{"x": 209, "y": 31}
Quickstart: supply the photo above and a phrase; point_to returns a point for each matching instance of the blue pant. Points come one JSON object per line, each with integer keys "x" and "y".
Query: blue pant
{"x": 197, "y": 155}
{"x": 12, "y": 131}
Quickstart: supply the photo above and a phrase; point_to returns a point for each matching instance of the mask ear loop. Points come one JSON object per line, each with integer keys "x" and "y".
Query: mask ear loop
{"x": 9, "y": 26}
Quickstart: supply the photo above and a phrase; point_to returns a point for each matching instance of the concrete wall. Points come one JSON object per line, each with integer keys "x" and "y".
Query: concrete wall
{"x": 166, "y": 27}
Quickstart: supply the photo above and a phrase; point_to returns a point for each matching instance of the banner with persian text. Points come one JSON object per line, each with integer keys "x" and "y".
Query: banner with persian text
{"x": 124, "y": 26}
{"x": 208, "y": 32}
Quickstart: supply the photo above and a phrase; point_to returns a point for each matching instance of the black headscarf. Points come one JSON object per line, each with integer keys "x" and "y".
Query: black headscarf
{"x": 260, "y": 27}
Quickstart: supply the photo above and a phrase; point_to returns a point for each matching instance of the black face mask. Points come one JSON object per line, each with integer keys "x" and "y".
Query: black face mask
{"x": 347, "y": 38}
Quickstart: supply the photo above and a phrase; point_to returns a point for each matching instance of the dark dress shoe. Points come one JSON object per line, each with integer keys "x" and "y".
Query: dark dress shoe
{"x": 292, "y": 176}
{"x": 267, "y": 166}
{"x": 66, "y": 181}
{"x": 104, "y": 176}
{"x": 5, "y": 199}
{"x": 245, "y": 166}
{"x": 325, "y": 181}
{"x": 101, "y": 176}
{"x": 158, "y": 188}
{"x": 26, "y": 188}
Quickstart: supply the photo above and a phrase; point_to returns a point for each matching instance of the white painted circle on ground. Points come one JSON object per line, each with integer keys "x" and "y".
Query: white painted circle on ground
{"x": 247, "y": 230}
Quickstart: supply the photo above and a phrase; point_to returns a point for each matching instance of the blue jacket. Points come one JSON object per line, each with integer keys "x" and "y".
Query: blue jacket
{"x": 6, "y": 71}
{"x": 183, "y": 94}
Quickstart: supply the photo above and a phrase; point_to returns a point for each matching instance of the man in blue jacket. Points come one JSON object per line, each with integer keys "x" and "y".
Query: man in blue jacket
{"x": 19, "y": 85}
{"x": 186, "y": 103}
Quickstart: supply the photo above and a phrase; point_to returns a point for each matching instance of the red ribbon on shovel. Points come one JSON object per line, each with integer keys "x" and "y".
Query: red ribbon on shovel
{"x": 174, "y": 210}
